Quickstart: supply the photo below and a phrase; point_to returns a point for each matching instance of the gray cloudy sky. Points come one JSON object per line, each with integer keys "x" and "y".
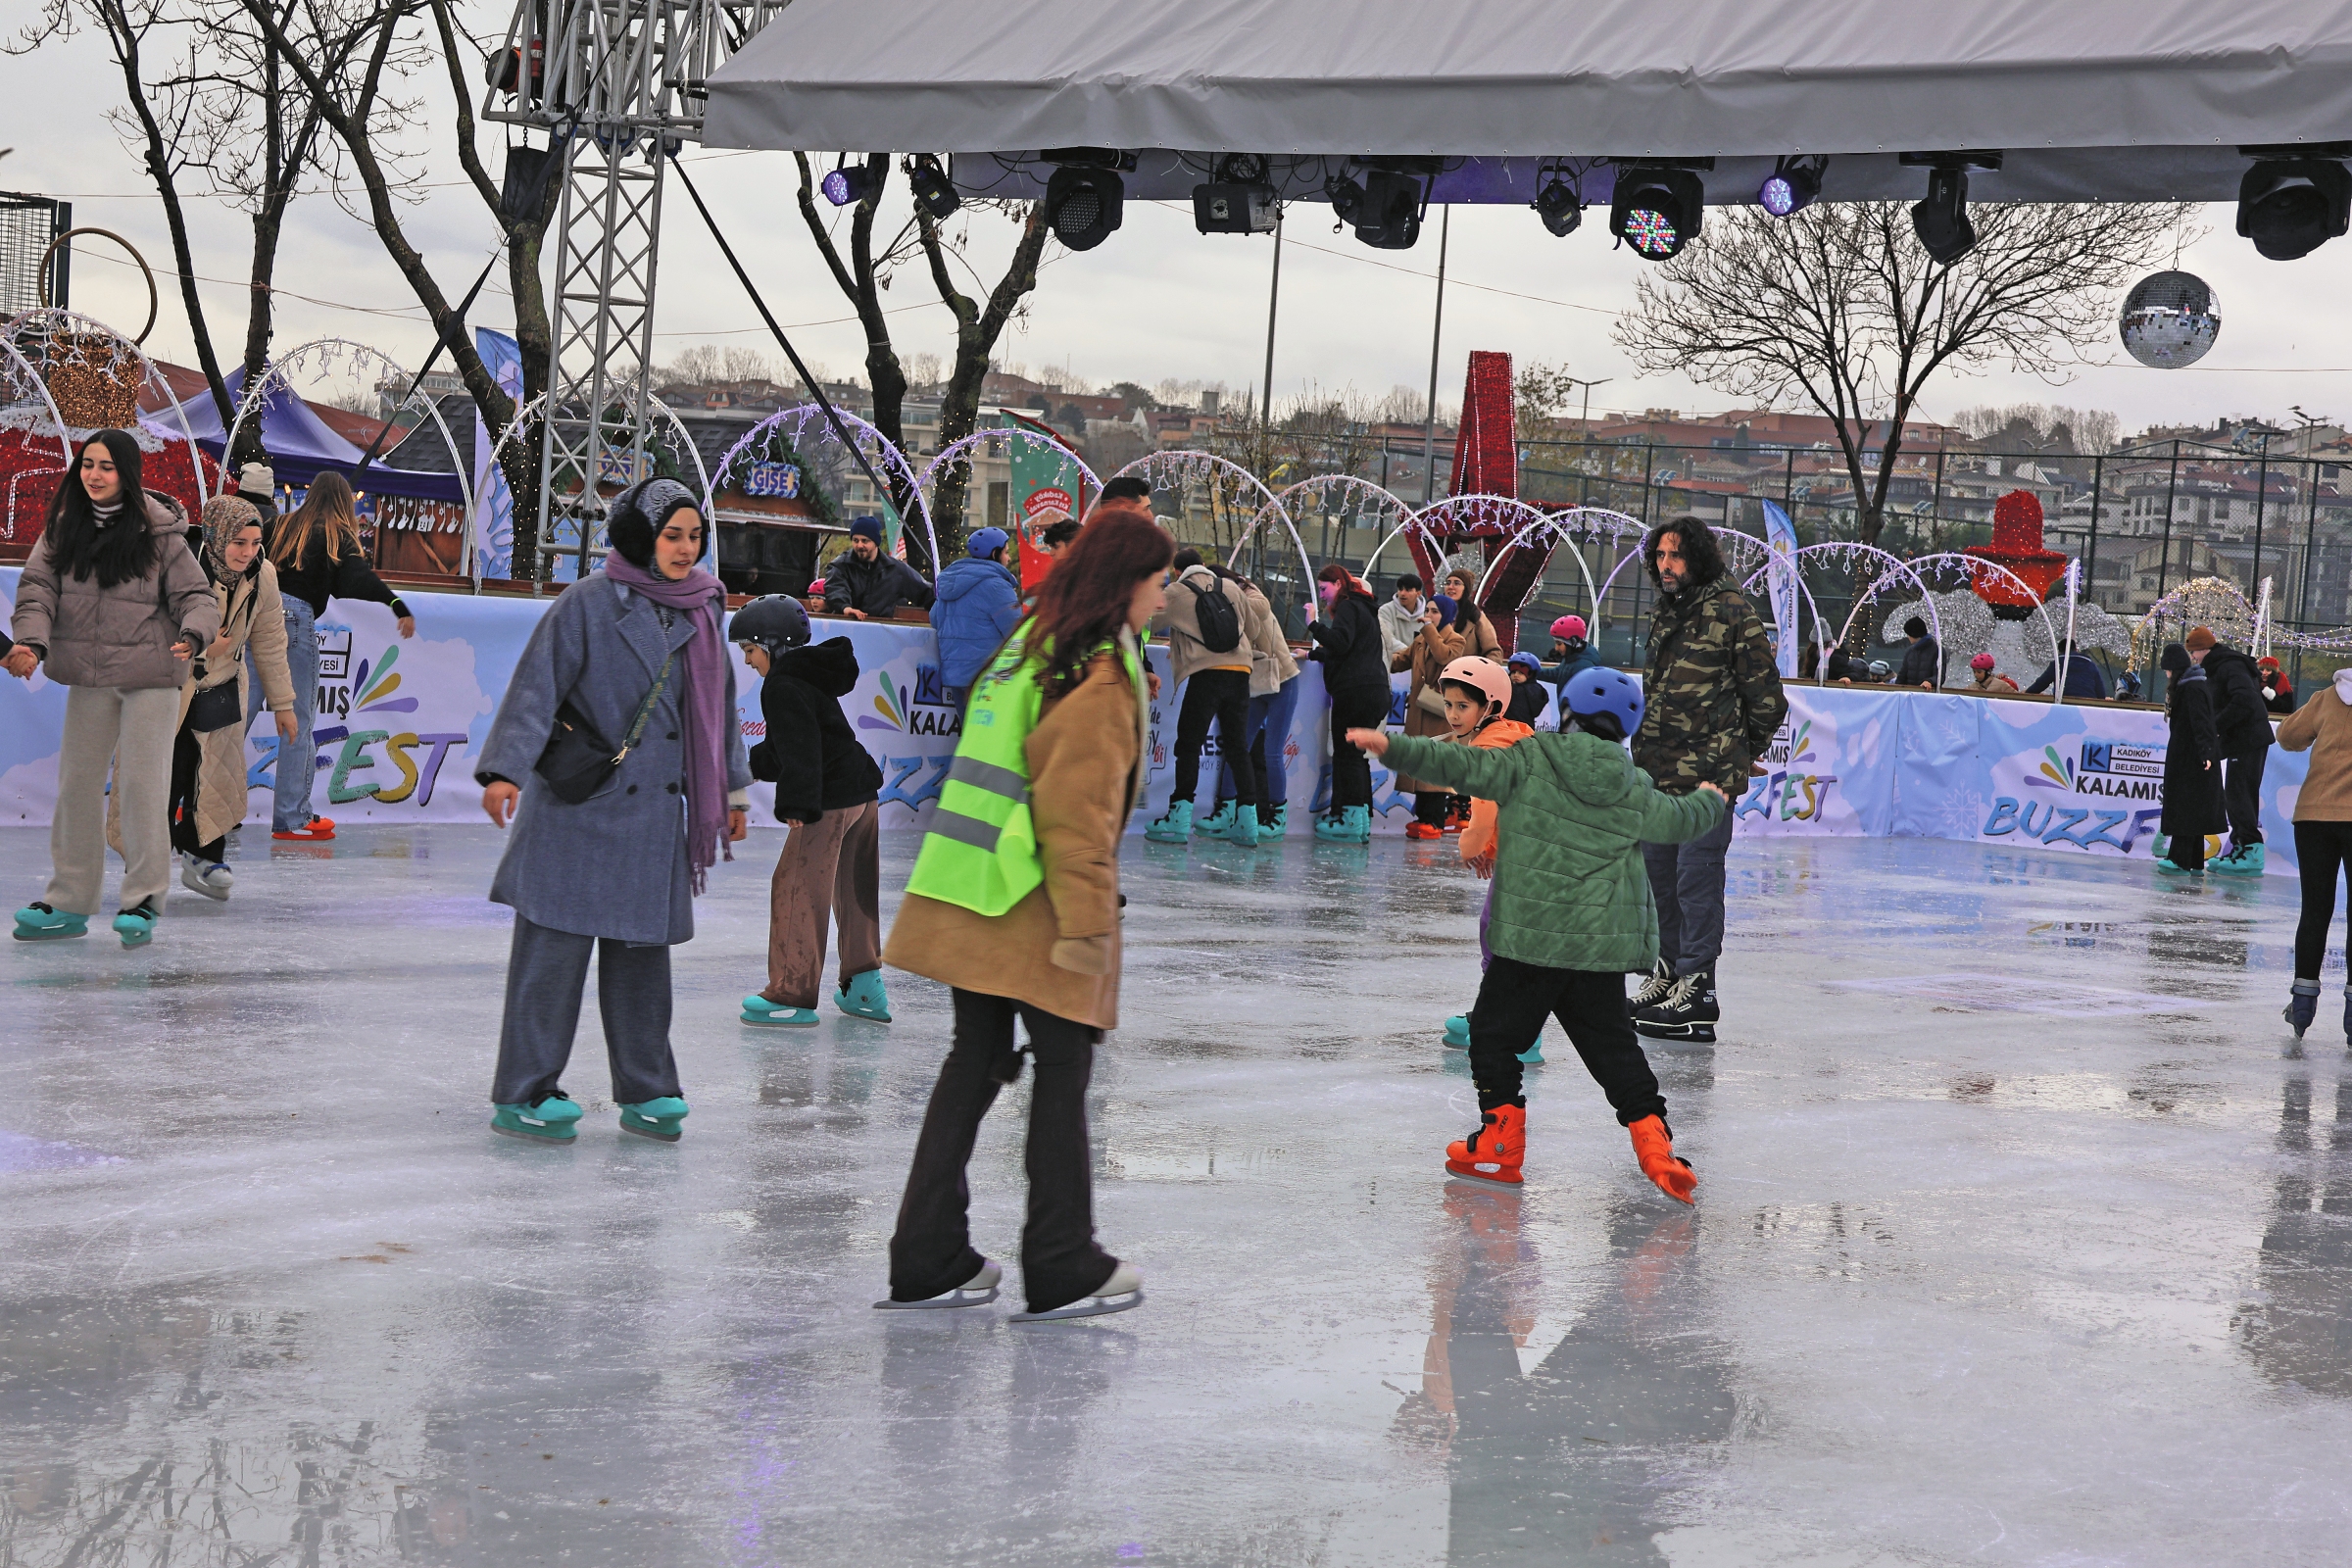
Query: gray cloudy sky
{"x": 1155, "y": 301}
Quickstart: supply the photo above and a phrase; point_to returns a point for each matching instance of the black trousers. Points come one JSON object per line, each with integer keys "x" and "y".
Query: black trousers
{"x": 1221, "y": 695}
{"x": 931, "y": 1251}
{"x": 546, "y": 972}
{"x": 1513, "y": 1001}
{"x": 2321, "y": 852}
{"x": 1353, "y": 707}
{"x": 187, "y": 760}
{"x": 2241, "y": 797}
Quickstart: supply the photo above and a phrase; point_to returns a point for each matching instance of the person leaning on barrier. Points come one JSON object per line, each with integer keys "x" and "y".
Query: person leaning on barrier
{"x": 1923, "y": 661}
{"x": 2083, "y": 680}
{"x": 865, "y": 583}
{"x": 2242, "y": 719}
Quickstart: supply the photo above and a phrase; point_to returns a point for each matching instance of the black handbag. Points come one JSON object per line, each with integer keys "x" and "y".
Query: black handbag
{"x": 214, "y": 707}
{"x": 577, "y": 762}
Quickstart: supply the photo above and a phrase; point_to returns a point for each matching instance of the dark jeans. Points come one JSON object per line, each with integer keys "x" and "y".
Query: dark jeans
{"x": 187, "y": 760}
{"x": 931, "y": 1251}
{"x": 1431, "y": 806}
{"x": 1513, "y": 1001}
{"x": 2241, "y": 797}
{"x": 546, "y": 971}
{"x": 1222, "y": 695}
{"x": 1353, "y": 707}
{"x": 2321, "y": 852}
{"x": 1686, "y": 882}
{"x": 1269, "y": 729}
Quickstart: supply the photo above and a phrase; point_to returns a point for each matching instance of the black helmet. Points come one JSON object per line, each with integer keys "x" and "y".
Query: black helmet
{"x": 774, "y": 622}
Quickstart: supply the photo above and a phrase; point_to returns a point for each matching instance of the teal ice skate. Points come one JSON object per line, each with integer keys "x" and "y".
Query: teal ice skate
{"x": 1174, "y": 828}
{"x": 136, "y": 924}
{"x": 554, "y": 1120}
{"x": 662, "y": 1121}
{"x": 863, "y": 996}
{"x": 37, "y": 922}
{"x": 756, "y": 1009}
{"x": 1216, "y": 824}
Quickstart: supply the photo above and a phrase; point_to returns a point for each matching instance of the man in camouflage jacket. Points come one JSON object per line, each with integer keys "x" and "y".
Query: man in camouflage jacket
{"x": 1714, "y": 703}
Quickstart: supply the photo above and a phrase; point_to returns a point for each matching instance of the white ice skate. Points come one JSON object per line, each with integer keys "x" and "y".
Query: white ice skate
{"x": 1122, "y": 1292}
{"x": 978, "y": 1291}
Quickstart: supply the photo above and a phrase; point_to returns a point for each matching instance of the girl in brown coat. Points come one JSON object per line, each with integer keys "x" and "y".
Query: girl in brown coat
{"x": 1426, "y": 655}
{"x": 1059, "y": 798}
{"x": 1476, "y": 628}
{"x": 2321, "y": 726}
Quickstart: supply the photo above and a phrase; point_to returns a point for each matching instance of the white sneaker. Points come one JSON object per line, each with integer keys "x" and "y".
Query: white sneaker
{"x": 208, "y": 877}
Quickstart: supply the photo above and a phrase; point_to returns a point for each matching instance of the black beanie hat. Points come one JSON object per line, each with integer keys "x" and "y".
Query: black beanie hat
{"x": 2176, "y": 660}
{"x": 637, "y": 515}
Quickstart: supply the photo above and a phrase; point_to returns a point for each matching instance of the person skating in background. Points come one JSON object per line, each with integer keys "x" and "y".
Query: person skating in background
{"x": 1572, "y": 915}
{"x": 2242, "y": 719}
{"x": 1714, "y": 702}
{"x": 976, "y": 606}
{"x": 2192, "y": 767}
{"x": 1983, "y": 677}
{"x": 2321, "y": 726}
{"x": 2277, "y": 691}
{"x": 1014, "y": 905}
{"x": 1571, "y": 653}
{"x": 113, "y": 608}
{"x": 830, "y": 868}
{"x": 208, "y": 761}
{"x": 630, "y": 659}
{"x": 1401, "y": 617}
{"x": 1425, "y": 658}
{"x": 1209, "y": 654}
{"x": 317, "y": 552}
{"x": 1476, "y": 694}
{"x": 1355, "y": 677}
{"x": 1530, "y": 695}
{"x": 258, "y": 485}
{"x": 2083, "y": 679}
{"x": 2127, "y": 687}
{"x": 1477, "y": 627}
{"x": 1273, "y": 700}
{"x": 1923, "y": 661}
{"x": 865, "y": 583}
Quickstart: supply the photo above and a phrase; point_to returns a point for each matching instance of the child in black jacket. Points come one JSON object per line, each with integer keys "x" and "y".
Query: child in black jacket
{"x": 828, "y": 787}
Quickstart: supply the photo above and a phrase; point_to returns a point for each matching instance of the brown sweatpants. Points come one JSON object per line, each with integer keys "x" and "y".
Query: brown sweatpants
{"x": 829, "y": 868}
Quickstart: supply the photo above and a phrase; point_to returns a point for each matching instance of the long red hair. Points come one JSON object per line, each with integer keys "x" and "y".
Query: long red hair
{"x": 1348, "y": 581}
{"x": 1084, "y": 602}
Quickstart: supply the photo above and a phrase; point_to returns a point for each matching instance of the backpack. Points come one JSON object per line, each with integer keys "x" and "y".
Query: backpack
{"x": 1219, "y": 619}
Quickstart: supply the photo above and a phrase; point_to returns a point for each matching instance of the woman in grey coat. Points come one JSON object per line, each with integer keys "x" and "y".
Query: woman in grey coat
{"x": 616, "y": 872}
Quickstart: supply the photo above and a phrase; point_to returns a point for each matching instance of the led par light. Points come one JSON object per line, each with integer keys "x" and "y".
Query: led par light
{"x": 1656, "y": 210}
{"x": 934, "y": 191}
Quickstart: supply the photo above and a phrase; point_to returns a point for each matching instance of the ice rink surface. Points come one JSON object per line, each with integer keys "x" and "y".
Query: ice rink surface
{"x": 2023, "y": 1237}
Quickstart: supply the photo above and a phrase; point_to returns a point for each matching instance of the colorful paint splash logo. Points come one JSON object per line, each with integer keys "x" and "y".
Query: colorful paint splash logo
{"x": 890, "y": 702}
{"x": 2051, "y": 771}
{"x": 919, "y": 710}
{"x": 378, "y": 698}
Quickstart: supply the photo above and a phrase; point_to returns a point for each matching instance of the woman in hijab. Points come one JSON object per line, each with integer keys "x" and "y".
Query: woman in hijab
{"x": 628, "y": 659}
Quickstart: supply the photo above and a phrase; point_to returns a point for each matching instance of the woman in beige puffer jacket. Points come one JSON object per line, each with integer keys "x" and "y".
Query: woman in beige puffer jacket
{"x": 113, "y": 607}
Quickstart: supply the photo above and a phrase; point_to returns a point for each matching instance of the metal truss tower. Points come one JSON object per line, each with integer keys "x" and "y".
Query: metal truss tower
{"x": 624, "y": 78}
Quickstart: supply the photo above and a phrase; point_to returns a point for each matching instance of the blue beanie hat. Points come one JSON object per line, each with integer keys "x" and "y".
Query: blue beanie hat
{"x": 1445, "y": 607}
{"x": 867, "y": 527}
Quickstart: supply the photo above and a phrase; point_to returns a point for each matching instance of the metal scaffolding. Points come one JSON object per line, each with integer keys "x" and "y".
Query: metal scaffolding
{"x": 627, "y": 77}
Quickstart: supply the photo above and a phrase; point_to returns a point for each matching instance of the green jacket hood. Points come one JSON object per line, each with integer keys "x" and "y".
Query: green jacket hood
{"x": 1595, "y": 771}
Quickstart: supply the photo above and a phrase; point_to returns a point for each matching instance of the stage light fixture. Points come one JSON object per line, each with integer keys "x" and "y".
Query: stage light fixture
{"x": 1656, "y": 209}
{"x": 1793, "y": 185}
{"x": 934, "y": 191}
{"x": 847, "y": 183}
{"x": 1346, "y": 197}
{"x": 1239, "y": 201}
{"x": 1941, "y": 221}
{"x": 2290, "y": 207}
{"x": 1083, "y": 205}
{"x": 1559, "y": 206}
{"x": 1389, "y": 218}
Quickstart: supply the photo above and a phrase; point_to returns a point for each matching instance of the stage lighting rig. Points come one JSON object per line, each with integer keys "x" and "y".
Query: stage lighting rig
{"x": 1794, "y": 184}
{"x": 1241, "y": 200}
{"x": 1345, "y": 195}
{"x": 1658, "y": 205}
{"x": 1941, "y": 221}
{"x": 1559, "y": 205}
{"x": 1085, "y": 197}
{"x": 1389, "y": 218}
{"x": 848, "y": 183}
{"x": 2293, "y": 200}
{"x": 934, "y": 192}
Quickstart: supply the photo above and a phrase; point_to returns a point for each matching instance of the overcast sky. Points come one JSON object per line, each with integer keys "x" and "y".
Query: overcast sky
{"x": 1155, "y": 301}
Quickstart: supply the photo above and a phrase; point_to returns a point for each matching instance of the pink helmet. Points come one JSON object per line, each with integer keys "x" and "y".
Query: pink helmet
{"x": 1483, "y": 675}
{"x": 1569, "y": 626}
{"x": 1980, "y": 662}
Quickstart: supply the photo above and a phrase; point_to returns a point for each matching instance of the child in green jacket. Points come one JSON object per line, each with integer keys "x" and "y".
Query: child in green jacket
{"x": 1572, "y": 915}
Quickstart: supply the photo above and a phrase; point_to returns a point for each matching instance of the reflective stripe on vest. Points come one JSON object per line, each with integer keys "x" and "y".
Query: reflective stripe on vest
{"x": 980, "y": 849}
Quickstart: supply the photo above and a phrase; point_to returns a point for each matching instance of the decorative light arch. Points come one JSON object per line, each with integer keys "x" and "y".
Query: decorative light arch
{"x": 34, "y": 386}
{"x": 892, "y": 458}
{"x": 68, "y": 326}
{"x": 957, "y": 451}
{"x": 325, "y": 351}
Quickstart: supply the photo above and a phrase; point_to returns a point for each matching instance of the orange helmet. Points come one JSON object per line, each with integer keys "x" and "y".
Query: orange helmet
{"x": 1482, "y": 674}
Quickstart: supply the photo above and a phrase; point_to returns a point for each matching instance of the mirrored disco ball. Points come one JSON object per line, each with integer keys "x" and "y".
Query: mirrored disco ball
{"x": 2170, "y": 319}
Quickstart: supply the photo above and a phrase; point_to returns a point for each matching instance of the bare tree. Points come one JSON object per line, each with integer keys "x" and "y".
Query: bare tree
{"x": 977, "y": 328}
{"x": 861, "y": 278}
{"x": 2043, "y": 428}
{"x": 1841, "y": 308}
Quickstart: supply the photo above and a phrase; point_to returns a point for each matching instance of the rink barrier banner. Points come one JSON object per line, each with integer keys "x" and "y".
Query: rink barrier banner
{"x": 399, "y": 724}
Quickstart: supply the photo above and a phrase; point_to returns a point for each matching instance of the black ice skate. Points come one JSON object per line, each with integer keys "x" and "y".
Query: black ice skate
{"x": 1687, "y": 1012}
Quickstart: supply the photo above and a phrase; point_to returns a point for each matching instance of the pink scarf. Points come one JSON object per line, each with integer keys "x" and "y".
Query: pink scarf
{"x": 698, "y": 596}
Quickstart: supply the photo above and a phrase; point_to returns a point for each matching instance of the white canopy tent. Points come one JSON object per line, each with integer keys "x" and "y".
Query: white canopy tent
{"x": 2086, "y": 99}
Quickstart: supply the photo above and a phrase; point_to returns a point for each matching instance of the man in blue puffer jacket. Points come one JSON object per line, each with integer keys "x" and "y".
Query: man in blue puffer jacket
{"x": 978, "y": 604}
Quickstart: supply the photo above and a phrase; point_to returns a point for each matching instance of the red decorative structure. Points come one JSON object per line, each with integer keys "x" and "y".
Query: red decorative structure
{"x": 31, "y": 466}
{"x": 2016, "y": 545}
{"x": 1486, "y": 463}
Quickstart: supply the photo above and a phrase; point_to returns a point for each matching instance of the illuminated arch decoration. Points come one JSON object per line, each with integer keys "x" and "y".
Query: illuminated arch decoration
{"x": 880, "y": 449}
{"x": 46, "y": 343}
{"x": 322, "y": 355}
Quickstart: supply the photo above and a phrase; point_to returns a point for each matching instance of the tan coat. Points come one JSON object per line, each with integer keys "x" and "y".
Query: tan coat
{"x": 1272, "y": 664}
{"x": 1084, "y": 764}
{"x": 251, "y": 613}
{"x": 1180, "y": 618}
{"x": 2324, "y": 719}
{"x": 1427, "y": 656}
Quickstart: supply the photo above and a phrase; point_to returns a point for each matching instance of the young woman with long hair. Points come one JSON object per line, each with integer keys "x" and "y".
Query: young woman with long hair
{"x": 1355, "y": 677}
{"x": 317, "y": 555}
{"x": 1475, "y": 625}
{"x": 1014, "y": 905}
{"x": 113, "y": 606}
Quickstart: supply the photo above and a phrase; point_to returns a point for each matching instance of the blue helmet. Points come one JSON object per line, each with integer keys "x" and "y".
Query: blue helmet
{"x": 1591, "y": 692}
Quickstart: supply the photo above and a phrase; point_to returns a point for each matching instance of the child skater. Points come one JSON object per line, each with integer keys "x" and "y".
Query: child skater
{"x": 1475, "y": 691}
{"x": 826, "y": 788}
{"x": 1572, "y": 915}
